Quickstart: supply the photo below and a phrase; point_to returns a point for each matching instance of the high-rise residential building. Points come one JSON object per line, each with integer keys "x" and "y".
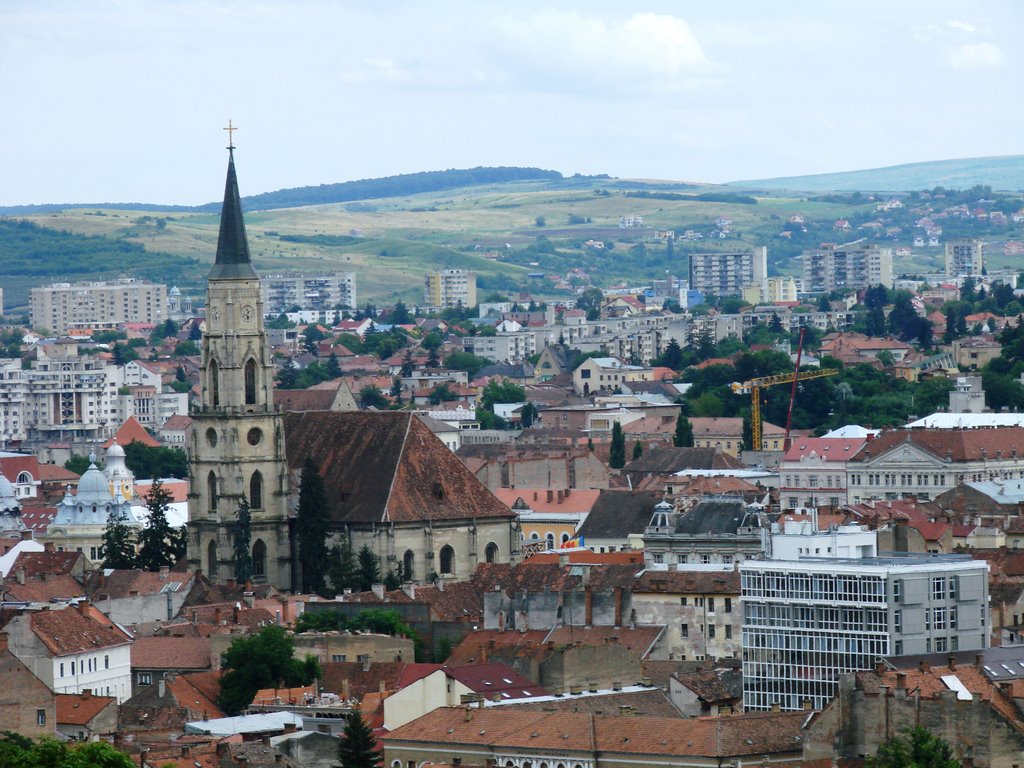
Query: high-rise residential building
{"x": 61, "y": 307}
{"x": 449, "y": 288}
{"x": 851, "y": 267}
{"x": 964, "y": 258}
{"x": 808, "y": 621}
{"x": 320, "y": 291}
{"x": 728, "y": 273}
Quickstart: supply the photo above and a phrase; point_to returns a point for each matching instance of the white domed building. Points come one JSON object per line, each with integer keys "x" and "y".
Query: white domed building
{"x": 120, "y": 479}
{"x": 81, "y": 518}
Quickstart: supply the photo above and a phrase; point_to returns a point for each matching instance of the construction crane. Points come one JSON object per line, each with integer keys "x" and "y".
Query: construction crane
{"x": 753, "y": 386}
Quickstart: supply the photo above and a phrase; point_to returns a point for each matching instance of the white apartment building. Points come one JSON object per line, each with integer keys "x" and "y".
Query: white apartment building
{"x": 61, "y": 307}
{"x": 729, "y": 273}
{"x": 509, "y": 347}
{"x": 449, "y": 288}
{"x": 792, "y": 539}
{"x": 964, "y": 258}
{"x": 806, "y": 622}
{"x": 316, "y": 292}
{"x": 813, "y": 472}
{"x": 851, "y": 266}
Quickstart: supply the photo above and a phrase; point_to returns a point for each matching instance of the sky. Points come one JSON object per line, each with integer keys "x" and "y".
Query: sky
{"x": 126, "y": 100}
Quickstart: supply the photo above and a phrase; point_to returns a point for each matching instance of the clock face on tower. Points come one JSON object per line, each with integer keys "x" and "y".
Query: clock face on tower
{"x": 248, "y": 313}
{"x": 215, "y": 313}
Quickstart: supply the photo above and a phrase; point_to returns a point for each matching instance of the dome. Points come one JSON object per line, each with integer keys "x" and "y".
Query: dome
{"x": 8, "y": 498}
{"x": 92, "y": 487}
{"x": 174, "y": 291}
{"x": 115, "y": 450}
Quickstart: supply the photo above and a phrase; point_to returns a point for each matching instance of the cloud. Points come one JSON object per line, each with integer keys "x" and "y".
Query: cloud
{"x": 643, "y": 51}
{"x": 961, "y": 25}
{"x": 976, "y": 56}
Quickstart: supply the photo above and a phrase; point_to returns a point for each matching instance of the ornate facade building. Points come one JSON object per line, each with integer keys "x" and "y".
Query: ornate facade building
{"x": 237, "y": 440}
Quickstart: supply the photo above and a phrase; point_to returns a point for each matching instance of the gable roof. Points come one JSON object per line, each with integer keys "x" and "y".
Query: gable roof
{"x": 81, "y": 708}
{"x": 67, "y": 631}
{"x": 179, "y": 653}
{"x": 665, "y": 460}
{"x": 616, "y": 514}
{"x": 386, "y": 467}
{"x": 129, "y": 432}
{"x": 957, "y": 444}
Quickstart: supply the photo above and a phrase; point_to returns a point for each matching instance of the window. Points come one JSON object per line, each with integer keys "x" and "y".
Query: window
{"x": 954, "y": 586}
{"x": 259, "y": 558}
{"x": 728, "y": 605}
{"x": 682, "y": 601}
{"x": 62, "y": 669}
{"x": 40, "y": 717}
{"x": 72, "y": 668}
{"x": 705, "y": 559}
{"x": 211, "y": 491}
{"x": 711, "y": 631}
{"x": 145, "y": 678}
{"x": 338, "y": 657}
{"x": 408, "y": 564}
{"x": 214, "y": 384}
{"x": 728, "y": 631}
{"x": 939, "y": 618}
{"x": 940, "y": 645}
{"x": 684, "y": 630}
{"x": 952, "y": 617}
{"x": 250, "y": 383}
{"x": 256, "y": 490}
{"x": 490, "y": 554}
{"x": 898, "y": 648}
{"x": 658, "y": 557}
{"x": 711, "y": 605}
{"x": 939, "y": 588}
{"x": 897, "y": 590}
{"x": 897, "y": 622}
{"x": 106, "y": 662}
{"x": 448, "y": 560}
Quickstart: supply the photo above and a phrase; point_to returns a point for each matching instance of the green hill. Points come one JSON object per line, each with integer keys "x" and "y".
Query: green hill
{"x": 1006, "y": 173}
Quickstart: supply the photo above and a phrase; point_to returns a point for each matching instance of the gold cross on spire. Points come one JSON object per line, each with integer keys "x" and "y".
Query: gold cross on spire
{"x": 231, "y": 130}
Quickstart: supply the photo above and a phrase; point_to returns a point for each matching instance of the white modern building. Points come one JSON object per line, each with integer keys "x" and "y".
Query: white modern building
{"x": 729, "y": 273}
{"x": 813, "y": 472}
{"x": 806, "y": 622}
{"x": 61, "y": 307}
{"x": 316, "y": 292}
{"x": 792, "y": 538}
{"x": 852, "y": 266}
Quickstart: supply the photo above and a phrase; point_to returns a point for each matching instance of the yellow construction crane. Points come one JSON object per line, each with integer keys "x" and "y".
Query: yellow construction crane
{"x": 754, "y": 388}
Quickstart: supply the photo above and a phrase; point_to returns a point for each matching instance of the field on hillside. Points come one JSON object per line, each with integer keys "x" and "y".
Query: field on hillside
{"x": 491, "y": 229}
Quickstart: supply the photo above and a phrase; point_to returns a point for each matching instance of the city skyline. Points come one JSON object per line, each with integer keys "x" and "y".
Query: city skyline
{"x": 124, "y": 102}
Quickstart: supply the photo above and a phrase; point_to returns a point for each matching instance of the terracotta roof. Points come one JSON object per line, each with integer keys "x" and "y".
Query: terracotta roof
{"x": 826, "y": 448}
{"x": 710, "y": 686}
{"x": 198, "y": 692}
{"x": 176, "y": 487}
{"x": 304, "y": 399}
{"x": 574, "y": 500}
{"x": 392, "y": 675}
{"x": 120, "y": 583}
{"x": 566, "y": 732}
{"x": 284, "y": 695}
{"x": 537, "y": 577}
{"x": 228, "y": 614}
{"x": 50, "y": 563}
{"x": 81, "y": 708}
{"x": 669, "y": 459}
{"x": 653, "y": 702}
{"x": 43, "y": 588}
{"x": 689, "y": 582}
{"x": 958, "y": 444}
{"x": 496, "y": 679}
{"x": 386, "y": 467}
{"x": 710, "y": 426}
{"x": 176, "y": 422}
{"x": 67, "y": 631}
{"x": 129, "y": 432}
{"x": 482, "y": 643}
{"x": 457, "y": 601}
{"x": 637, "y": 640}
{"x": 178, "y": 653}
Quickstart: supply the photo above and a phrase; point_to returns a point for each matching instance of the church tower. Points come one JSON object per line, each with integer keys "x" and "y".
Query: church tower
{"x": 237, "y": 440}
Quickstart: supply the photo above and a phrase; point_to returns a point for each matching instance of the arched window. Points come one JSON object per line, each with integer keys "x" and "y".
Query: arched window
{"x": 550, "y": 539}
{"x": 214, "y": 383}
{"x": 24, "y": 477}
{"x": 211, "y": 490}
{"x": 211, "y": 560}
{"x": 408, "y": 563}
{"x": 491, "y": 553}
{"x": 250, "y": 383}
{"x": 256, "y": 490}
{"x": 565, "y": 537}
{"x": 447, "y": 560}
{"x": 259, "y": 559}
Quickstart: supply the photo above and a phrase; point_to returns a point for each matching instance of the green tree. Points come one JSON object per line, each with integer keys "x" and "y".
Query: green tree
{"x": 440, "y": 394}
{"x": 264, "y": 659}
{"x": 617, "y": 457}
{"x": 528, "y": 415}
{"x": 369, "y": 568}
{"x": 916, "y": 748}
{"x": 118, "y": 548}
{"x": 357, "y": 747}
{"x": 313, "y": 527}
{"x": 155, "y": 460}
{"x": 672, "y": 357}
{"x": 400, "y": 314}
{"x": 333, "y": 367}
{"x": 407, "y": 364}
{"x": 501, "y": 392}
{"x": 242, "y": 541}
{"x": 77, "y": 464}
{"x": 159, "y": 543}
{"x": 186, "y": 349}
{"x": 288, "y": 375}
{"x": 371, "y": 397}
{"x": 683, "y": 437}
{"x": 540, "y": 221}
{"x": 638, "y": 450}
{"x": 342, "y": 569}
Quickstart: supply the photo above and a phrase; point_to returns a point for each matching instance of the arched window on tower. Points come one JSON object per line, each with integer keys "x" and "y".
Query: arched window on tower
{"x": 491, "y": 553}
{"x": 250, "y": 383}
{"x": 211, "y": 560}
{"x": 214, "y": 384}
{"x": 408, "y": 565}
{"x": 259, "y": 559}
{"x": 211, "y": 490}
{"x": 447, "y": 560}
{"x": 256, "y": 490}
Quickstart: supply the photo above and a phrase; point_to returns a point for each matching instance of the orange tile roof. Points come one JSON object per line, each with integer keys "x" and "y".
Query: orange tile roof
{"x": 81, "y": 708}
{"x": 130, "y": 431}
{"x": 178, "y": 653}
{"x": 637, "y": 640}
{"x": 577, "y": 501}
{"x": 67, "y": 631}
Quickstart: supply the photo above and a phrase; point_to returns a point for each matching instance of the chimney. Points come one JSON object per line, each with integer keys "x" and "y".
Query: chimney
{"x": 48, "y": 547}
{"x": 186, "y": 750}
{"x": 901, "y": 681}
{"x": 243, "y": 761}
{"x": 237, "y": 611}
{"x": 618, "y": 606}
{"x": 616, "y": 685}
{"x": 87, "y": 693}
{"x": 345, "y": 689}
{"x": 250, "y": 599}
{"x": 588, "y": 607}
{"x": 366, "y": 664}
{"x": 561, "y": 497}
{"x": 952, "y": 663}
{"x": 409, "y": 587}
{"x": 216, "y": 616}
{"x": 776, "y": 707}
{"x": 278, "y": 758}
{"x": 19, "y": 575}
{"x": 879, "y": 667}
{"x": 483, "y": 653}
{"x": 161, "y": 687}
{"x": 979, "y": 660}
{"x": 265, "y": 740}
{"x": 469, "y": 713}
{"x": 382, "y": 686}
{"x": 26, "y": 535}
{"x": 290, "y": 727}
{"x": 164, "y": 570}
{"x": 807, "y": 705}
{"x": 924, "y": 666}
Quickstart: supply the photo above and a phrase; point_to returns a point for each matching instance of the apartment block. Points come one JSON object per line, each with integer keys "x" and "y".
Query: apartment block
{"x": 318, "y": 292}
{"x": 807, "y": 622}
{"x": 729, "y": 273}
{"x": 851, "y": 266}
{"x": 449, "y": 288}
{"x": 964, "y": 258}
{"x": 61, "y": 307}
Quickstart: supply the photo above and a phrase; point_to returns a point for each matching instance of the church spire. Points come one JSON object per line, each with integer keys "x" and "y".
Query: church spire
{"x": 232, "y": 246}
